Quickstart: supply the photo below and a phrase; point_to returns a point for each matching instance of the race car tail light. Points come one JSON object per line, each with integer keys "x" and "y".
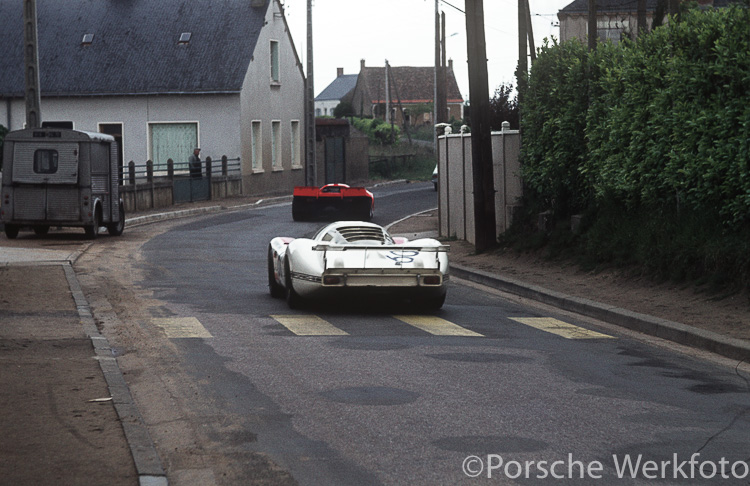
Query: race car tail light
{"x": 332, "y": 280}
{"x": 431, "y": 280}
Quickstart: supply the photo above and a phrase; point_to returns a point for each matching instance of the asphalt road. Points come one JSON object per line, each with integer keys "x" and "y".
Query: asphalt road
{"x": 485, "y": 387}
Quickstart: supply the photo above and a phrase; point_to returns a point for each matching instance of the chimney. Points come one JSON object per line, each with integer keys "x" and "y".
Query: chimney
{"x": 450, "y": 64}
{"x": 361, "y": 64}
{"x": 339, "y": 72}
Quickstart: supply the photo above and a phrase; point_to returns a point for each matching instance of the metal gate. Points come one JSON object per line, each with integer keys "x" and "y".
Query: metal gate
{"x": 191, "y": 189}
{"x": 335, "y": 162}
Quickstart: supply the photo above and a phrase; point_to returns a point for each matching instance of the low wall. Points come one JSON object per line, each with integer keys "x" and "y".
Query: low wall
{"x": 456, "y": 187}
{"x": 159, "y": 193}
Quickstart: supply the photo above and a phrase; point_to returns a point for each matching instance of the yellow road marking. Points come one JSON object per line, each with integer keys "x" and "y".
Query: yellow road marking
{"x": 436, "y": 325}
{"x": 554, "y": 326}
{"x": 308, "y": 325}
{"x": 182, "y": 327}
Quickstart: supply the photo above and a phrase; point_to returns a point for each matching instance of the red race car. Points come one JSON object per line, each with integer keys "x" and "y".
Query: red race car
{"x": 332, "y": 201}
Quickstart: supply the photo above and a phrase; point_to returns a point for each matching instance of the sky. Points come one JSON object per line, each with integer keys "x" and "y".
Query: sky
{"x": 403, "y": 32}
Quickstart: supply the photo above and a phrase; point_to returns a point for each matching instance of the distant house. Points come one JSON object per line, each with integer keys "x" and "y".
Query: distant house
{"x": 615, "y": 19}
{"x": 339, "y": 89}
{"x": 413, "y": 87}
{"x": 164, "y": 77}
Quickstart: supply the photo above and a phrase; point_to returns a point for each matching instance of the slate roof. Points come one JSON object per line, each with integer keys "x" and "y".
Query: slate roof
{"x": 414, "y": 84}
{"x": 339, "y": 87}
{"x": 581, "y": 6}
{"x": 135, "y": 48}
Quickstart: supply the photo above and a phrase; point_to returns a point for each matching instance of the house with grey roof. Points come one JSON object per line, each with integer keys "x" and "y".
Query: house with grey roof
{"x": 165, "y": 77}
{"x": 412, "y": 87}
{"x": 615, "y": 19}
{"x": 331, "y": 96}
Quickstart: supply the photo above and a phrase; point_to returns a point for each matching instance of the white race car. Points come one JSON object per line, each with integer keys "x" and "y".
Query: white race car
{"x": 361, "y": 259}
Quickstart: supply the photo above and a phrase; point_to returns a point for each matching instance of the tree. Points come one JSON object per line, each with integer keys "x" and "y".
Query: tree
{"x": 504, "y": 108}
{"x": 343, "y": 109}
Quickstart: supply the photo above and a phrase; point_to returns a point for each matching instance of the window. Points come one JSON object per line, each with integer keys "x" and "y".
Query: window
{"x": 45, "y": 161}
{"x": 276, "y": 145}
{"x": 256, "y": 142}
{"x": 275, "y": 75}
{"x": 87, "y": 39}
{"x": 185, "y": 38}
{"x": 174, "y": 141}
{"x": 612, "y": 29}
{"x": 296, "y": 158}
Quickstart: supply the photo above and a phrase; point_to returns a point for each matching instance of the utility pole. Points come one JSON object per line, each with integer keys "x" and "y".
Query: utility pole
{"x": 435, "y": 80}
{"x": 441, "y": 104}
{"x": 485, "y": 236}
{"x": 31, "y": 60}
{"x": 592, "y": 25}
{"x": 523, "y": 63}
{"x": 311, "y": 176}
{"x": 642, "y": 25}
{"x": 530, "y": 32}
{"x": 387, "y": 93}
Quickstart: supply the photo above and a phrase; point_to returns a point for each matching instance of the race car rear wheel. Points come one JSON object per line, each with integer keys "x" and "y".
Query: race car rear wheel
{"x": 276, "y": 290}
{"x": 299, "y": 212}
{"x": 433, "y": 303}
{"x": 293, "y": 300}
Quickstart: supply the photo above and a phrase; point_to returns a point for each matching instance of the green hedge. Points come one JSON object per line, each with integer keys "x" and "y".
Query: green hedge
{"x": 658, "y": 128}
{"x": 377, "y": 130}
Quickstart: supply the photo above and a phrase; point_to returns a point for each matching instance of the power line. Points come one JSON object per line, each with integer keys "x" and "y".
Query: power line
{"x": 453, "y": 6}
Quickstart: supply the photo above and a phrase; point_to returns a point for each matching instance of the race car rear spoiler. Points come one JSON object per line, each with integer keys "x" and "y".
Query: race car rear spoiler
{"x": 440, "y": 248}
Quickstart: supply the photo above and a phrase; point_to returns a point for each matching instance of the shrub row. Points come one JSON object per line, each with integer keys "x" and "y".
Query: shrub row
{"x": 658, "y": 128}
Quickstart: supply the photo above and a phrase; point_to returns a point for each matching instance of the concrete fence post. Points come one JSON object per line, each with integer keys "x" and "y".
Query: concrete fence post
{"x": 131, "y": 173}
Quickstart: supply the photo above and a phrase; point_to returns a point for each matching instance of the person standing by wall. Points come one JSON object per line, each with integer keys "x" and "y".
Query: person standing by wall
{"x": 195, "y": 163}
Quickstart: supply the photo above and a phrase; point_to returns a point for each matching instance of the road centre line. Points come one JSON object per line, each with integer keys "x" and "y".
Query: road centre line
{"x": 560, "y": 328}
{"x": 182, "y": 327}
{"x": 306, "y": 325}
{"x": 437, "y": 326}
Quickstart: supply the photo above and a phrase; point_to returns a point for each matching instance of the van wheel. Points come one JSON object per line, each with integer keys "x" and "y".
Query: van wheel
{"x": 92, "y": 230}
{"x": 11, "y": 231}
{"x": 116, "y": 229}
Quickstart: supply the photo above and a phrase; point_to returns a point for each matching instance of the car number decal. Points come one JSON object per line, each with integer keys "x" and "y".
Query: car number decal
{"x": 401, "y": 257}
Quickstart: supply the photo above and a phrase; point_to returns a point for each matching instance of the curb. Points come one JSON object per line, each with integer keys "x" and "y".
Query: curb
{"x": 147, "y": 462}
{"x": 672, "y": 331}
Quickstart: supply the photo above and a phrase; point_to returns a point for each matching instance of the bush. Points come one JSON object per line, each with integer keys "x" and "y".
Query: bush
{"x": 377, "y": 130}
{"x": 652, "y": 139}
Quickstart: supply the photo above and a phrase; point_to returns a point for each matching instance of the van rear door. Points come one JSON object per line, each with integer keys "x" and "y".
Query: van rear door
{"x": 45, "y": 178}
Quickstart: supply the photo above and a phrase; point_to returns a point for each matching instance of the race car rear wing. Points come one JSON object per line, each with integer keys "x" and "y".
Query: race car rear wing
{"x": 440, "y": 248}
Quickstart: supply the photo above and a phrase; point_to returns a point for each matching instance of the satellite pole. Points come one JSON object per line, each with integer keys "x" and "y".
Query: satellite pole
{"x": 311, "y": 176}
{"x": 31, "y": 63}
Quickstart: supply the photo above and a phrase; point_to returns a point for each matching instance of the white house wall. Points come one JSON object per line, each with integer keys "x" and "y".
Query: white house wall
{"x": 217, "y": 117}
{"x": 264, "y": 101}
